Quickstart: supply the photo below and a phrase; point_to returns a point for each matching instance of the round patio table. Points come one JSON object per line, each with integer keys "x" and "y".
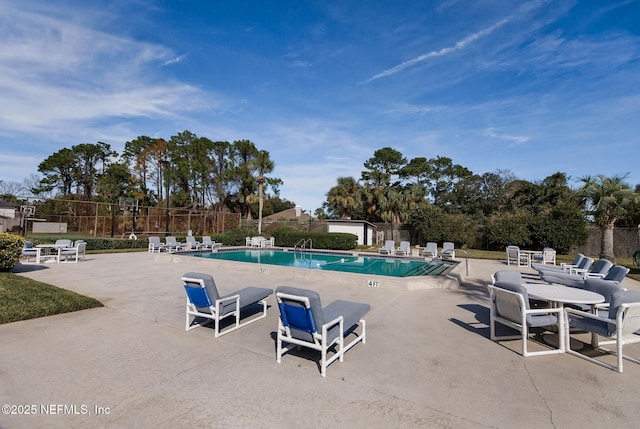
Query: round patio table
{"x": 558, "y": 295}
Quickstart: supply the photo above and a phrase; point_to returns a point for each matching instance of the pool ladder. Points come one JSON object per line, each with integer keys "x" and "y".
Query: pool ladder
{"x": 302, "y": 244}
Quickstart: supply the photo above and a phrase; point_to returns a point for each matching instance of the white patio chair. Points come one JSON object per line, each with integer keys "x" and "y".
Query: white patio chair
{"x": 509, "y": 306}
{"x": 74, "y": 253}
{"x": 28, "y": 252}
{"x": 514, "y": 255}
{"x": 619, "y": 327}
{"x": 304, "y": 323}
{"x": 547, "y": 256}
{"x": 205, "y": 304}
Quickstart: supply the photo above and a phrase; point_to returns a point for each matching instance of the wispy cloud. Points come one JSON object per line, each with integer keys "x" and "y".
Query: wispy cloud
{"x": 515, "y": 140}
{"x": 444, "y": 51}
{"x": 175, "y": 60}
{"x": 461, "y": 44}
{"x": 61, "y": 77}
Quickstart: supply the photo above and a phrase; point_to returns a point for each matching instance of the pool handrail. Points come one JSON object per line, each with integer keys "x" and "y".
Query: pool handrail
{"x": 303, "y": 244}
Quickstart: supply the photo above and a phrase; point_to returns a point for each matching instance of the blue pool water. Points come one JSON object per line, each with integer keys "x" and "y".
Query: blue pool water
{"x": 379, "y": 266}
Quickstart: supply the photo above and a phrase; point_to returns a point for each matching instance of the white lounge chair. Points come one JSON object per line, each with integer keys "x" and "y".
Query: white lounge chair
{"x": 155, "y": 245}
{"x": 173, "y": 243}
{"x": 448, "y": 250}
{"x": 555, "y": 268}
{"x": 205, "y": 304}
{"x": 304, "y": 323}
{"x": 404, "y": 249}
{"x": 208, "y": 243}
{"x": 431, "y": 250}
{"x": 389, "y": 248}
{"x": 192, "y": 243}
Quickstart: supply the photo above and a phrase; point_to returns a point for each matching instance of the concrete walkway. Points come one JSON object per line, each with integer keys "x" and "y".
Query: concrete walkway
{"x": 427, "y": 362}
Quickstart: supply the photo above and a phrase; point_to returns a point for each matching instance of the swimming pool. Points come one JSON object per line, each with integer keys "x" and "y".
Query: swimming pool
{"x": 331, "y": 261}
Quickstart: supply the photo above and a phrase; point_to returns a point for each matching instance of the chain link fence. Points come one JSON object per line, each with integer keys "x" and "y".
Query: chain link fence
{"x": 110, "y": 220}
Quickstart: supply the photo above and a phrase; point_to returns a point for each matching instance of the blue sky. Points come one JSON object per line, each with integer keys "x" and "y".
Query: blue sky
{"x": 534, "y": 87}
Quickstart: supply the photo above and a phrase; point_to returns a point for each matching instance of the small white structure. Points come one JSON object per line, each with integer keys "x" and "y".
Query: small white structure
{"x": 360, "y": 228}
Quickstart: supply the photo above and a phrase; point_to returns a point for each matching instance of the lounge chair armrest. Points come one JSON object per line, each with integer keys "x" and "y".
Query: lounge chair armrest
{"x": 595, "y": 275}
{"x": 544, "y": 310}
{"x": 586, "y": 314}
{"x": 235, "y": 297}
{"x": 332, "y": 323}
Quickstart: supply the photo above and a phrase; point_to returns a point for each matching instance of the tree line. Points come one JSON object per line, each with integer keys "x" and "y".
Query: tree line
{"x": 445, "y": 201}
{"x": 441, "y": 199}
{"x": 185, "y": 171}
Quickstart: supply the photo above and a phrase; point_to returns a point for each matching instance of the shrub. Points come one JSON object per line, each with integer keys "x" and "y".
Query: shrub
{"x": 321, "y": 240}
{"x": 235, "y": 237}
{"x": 10, "y": 250}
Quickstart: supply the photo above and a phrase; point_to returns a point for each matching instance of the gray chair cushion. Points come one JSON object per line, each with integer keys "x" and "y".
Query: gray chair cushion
{"x": 351, "y": 312}
{"x": 617, "y": 273}
{"x": 605, "y": 288}
{"x": 248, "y": 296}
{"x": 604, "y": 328}
{"x": 209, "y": 284}
{"x": 508, "y": 276}
{"x": 533, "y": 320}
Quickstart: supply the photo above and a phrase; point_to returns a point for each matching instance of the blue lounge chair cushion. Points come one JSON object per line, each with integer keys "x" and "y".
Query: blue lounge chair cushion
{"x": 316, "y": 312}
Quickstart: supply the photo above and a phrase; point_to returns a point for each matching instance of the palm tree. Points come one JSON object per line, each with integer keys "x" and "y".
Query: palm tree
{"x": 264, "y": 165}
{"x": 344, "y": 199}
{"x": 607, "y": 199}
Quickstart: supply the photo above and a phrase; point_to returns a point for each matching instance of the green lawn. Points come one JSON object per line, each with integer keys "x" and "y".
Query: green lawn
{"x": 22, "y": 298}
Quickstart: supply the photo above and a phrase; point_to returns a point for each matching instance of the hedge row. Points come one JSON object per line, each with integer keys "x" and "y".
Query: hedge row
{"x": 286, "y": 237}
{"x": 319, "y": 240}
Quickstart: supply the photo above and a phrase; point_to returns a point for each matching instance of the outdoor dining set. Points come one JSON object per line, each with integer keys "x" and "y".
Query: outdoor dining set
{"x": 579, "y": 298}
{"x": 62, "y": 250}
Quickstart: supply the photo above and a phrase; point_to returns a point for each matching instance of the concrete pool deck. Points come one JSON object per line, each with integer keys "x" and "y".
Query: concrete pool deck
{"x": 427, "y": 362}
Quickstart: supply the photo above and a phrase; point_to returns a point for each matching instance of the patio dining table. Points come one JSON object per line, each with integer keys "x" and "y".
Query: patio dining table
{"x": 558, "y": 295}
{"x": 50, "y": 252}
